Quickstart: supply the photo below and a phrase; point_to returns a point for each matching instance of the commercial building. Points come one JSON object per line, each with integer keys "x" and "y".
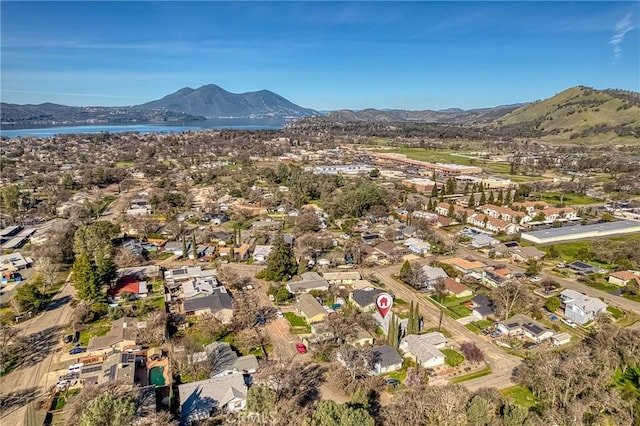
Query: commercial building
{"x": 579, "y": 232}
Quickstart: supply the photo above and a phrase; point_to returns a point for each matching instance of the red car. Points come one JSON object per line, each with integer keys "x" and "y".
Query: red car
{"x": 301, "y": 348}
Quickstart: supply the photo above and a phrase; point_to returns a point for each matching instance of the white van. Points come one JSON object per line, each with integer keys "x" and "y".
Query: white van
{"x": 75, "y": 368}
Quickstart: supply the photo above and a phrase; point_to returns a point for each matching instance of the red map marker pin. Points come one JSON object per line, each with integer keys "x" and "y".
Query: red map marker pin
{"x": 383, "y": 303}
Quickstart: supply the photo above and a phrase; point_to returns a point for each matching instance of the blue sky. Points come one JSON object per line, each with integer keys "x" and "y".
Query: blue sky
{"x": 327, "y": 55}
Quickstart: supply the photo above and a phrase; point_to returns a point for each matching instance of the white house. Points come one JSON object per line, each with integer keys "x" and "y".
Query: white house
{"x": 200, "y": 400}
{"x": 424, "y": 348}
{"x": 385, "y": 360}
{"x": 261, "y": 253}
{"x": 580, "y": 307}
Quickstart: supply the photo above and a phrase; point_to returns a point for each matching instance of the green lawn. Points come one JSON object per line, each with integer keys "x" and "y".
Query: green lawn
{"x": 460, "y": 310}
{"x": 568, "y": 199}
{"x": 602, "y": 285}
{"x": 615, "y": 312}
{"x": 124, "y": 164}
{"x": 471, "y": 326}
{"x": 452, "y": 358}
{"x": 295, "y": 320}
{"x": 399, "y": 302}
{"x": 104, "y": 203}
{"x": 95, "y": 330}
{"x": 520, "y": 395}
{"x": 164, "y": 256}
{"x": 477, "y": 374}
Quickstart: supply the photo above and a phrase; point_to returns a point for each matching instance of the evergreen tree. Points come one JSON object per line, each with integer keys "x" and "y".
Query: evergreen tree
{"x": 483, "y": 198}
{"x": 472, "y": 201}
{"x": 105, "y": 270}
{"x": 491, "y": 200}
{"x": 451, "y": 186}
{"x": 405, "y": 271}
{"x": 442, "y": 196}
{"x": 451, "y": 210}
{"x": 194, "y": 247}
{"x": 410, "y": 319}
{"x": 466, "y": 188}
{"x": 507, "y": 198}
{"x": 434, "y": 190}
{"x": 281, "y": 264}
{"x": 84, "y": 279}
{"x": 184, "y": 247}
{"x": 500, "y": 199}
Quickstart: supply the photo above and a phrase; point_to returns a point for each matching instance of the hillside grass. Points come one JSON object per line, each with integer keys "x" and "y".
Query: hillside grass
{"x": 520, "y": 395}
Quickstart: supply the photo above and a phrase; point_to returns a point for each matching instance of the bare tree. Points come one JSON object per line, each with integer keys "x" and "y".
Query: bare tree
{"x": 47, "y": 269}
{"x": 511, "y": 298}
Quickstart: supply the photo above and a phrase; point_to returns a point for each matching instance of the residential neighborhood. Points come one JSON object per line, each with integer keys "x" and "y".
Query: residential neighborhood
{"x": 215, "y": 292}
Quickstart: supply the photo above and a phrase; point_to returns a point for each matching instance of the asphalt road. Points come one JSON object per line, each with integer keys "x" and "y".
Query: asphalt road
{"x": 501, "y": 363}
{"x": 28, "y": 380}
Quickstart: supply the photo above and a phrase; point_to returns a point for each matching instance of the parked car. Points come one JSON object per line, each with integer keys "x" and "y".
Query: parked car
{"x": 392, "y": 382}
{"x": 495, "y": 334}
{"x": 486, "y": 331}
{"x": 68, "y": 338}
{"x": 76, "y": 351}
{"x": 561, "y": 265}
{"x": 279, "y": 314}
{"x": 569, "y": 322}
{"x": 535, "y": 279}
{"x": 301, "y": 348}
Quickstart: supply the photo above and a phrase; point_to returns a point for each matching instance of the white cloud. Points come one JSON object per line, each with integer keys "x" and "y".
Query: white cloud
{"x": 622, "y": 27}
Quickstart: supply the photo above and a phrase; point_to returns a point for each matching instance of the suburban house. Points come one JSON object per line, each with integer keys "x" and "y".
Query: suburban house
{"x": 261, "y": 252}
{"x": 482, "y": 240}
{"x": 621, "y": 278}
{"x": 122, "y": 335}
{"x": 385, "y": 360}
{"x": 200, "y": 400}
{"x": 218, "y": 303}
{"x": 582, "y": 268}
{"x": 417, "y": 246}
{"x": 128, "y": 284}
{"x": 228, "y": 361}
{"x": 388, "y": 249}
{"x": 424, "y": 348}
{"x": 526, "y": 254}
{"x": 481, "y": 306}
{"x": 529, "y": 207}
{"x": 580, "y": 307}
{"x": 242, "y": 252}
{"x": 559, "y": 213}
{"x": 362, "y": 338}
{"x": 117, "y": 367}
{"x": 496, "y": 277}
{"x": 456, "y": 288}
{"x": 199, "y": 286}
{"x": 310, "y": 281}
{"x": 463, "y": 265}
{"x": 433, "y": 274}
{"x": 522, "y": 325}
{"x": 365, "y": 298}
{"x": 343, "y": 277}
{"x": 310, "y": 308}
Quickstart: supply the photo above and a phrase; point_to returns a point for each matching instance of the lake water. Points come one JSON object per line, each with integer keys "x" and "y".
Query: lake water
{"x": 45, "y": 132}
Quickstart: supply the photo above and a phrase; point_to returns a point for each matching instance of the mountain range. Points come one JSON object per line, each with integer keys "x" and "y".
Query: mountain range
{"x": 580, "y": 113}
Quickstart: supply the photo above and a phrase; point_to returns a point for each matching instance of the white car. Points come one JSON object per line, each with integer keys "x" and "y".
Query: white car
{"x": 569, "y": 322}
{"x": 279, "y": 314}
{"x": 535, "y": 279}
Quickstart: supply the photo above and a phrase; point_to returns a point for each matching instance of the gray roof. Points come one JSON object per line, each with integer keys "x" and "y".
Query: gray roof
{"x": 575, "y": 230}
{"x": 216, "y": 302}
{"x": 421, "y": 348}
{"x": 584, "y": 302}
{"x": 365, "y": 297}
{"x": 199, "y": 399}
{"x": 386, "y": 356}
{"x": 431, "y": 274}
{"x": 119, "y": 367}
{"x": 310, "y": 281}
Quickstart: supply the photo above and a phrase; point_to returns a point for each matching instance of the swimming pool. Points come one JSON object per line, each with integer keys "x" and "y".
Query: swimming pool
{"x": 156, "y": 377}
